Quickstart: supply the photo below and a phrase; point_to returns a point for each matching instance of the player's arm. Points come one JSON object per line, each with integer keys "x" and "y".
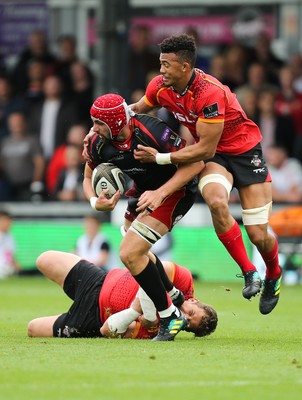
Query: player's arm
{"x": 100, "y": 203}
{"x": 209, "y": 135}
{"x": 184, "y": 174}
{"x": 141, "y": 106}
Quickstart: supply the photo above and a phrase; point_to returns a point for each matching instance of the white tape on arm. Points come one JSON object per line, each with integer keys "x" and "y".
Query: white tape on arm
{"x": 119, "y": 322}
{"x": 93, "y": 201}
{"x": 163, "y": 158}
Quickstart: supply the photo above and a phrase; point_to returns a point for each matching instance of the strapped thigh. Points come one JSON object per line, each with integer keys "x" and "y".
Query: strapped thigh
{"x": 145, "y": 232}
{"x": 257, "y": 216}
{"x": 215, "y": 178}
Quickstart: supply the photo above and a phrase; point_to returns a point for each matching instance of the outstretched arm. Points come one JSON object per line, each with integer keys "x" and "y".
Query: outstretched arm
{"x": 209, "y": 136}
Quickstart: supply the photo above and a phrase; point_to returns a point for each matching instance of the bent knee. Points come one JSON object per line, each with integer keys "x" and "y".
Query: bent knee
{"x": 44, "y": 259}
{"x": 31, "y": 328}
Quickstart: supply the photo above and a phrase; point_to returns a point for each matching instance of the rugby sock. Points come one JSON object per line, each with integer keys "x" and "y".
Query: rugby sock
{"x": 164, "y": 277}
{"x": 149, "y": 279}
{"x": 271, "y": 260}
{"x": 233, "y": 242}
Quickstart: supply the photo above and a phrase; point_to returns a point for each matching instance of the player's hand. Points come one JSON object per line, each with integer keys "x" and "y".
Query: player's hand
{"x": 145, "y": 154}
{"x": 149, "y": 201}
{"x": 105, "y": 204}
{"x": 85, "y": 153}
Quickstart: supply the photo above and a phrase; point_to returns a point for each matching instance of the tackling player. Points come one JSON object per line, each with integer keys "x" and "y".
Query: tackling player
{"x": 160, "y": 197}
{"x": 98, "y": 296}
{"x": 229, "y": 143}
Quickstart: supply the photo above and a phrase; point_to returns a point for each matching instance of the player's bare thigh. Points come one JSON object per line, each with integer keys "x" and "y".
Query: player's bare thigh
{"x": 41, "y": 327}
{"x": 254, "y": 196}
{"x": 56, "y": 265}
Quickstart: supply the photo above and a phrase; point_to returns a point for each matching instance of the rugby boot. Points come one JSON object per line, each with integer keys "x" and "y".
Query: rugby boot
{"x": 270, "y": 295}
{"x": 169, "y": 327}
{"x": 252, "y": 284}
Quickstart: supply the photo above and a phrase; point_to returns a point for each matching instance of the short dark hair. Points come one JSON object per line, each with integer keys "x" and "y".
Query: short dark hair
{"x": 208, "y": 323}
{"x": 183, "y": 46}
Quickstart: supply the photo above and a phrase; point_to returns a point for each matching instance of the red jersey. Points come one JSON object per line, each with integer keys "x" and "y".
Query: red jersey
{"x": 119, "y": 290}
{"x": 208, "y": 100}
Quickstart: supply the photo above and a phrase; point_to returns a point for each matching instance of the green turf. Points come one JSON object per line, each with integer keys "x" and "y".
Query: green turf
{"x": 249, "y": 356}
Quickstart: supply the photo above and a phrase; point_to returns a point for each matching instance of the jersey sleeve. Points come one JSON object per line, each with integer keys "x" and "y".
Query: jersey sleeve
{"x": 154, "y": 132}
{"x": 183, "y": 280}
{"x": 212, "y": 108}
{"x": 94, "y": 145}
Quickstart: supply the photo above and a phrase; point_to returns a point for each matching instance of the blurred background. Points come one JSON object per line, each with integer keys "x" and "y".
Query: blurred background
{"x": 56, "y": 56}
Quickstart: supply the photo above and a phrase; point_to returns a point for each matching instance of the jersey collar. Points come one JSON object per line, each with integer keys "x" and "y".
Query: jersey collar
{"x": 188, "y": 85}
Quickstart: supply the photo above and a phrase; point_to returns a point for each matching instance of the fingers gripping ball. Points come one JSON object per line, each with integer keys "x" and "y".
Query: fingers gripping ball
{"x": 107, "y": 176}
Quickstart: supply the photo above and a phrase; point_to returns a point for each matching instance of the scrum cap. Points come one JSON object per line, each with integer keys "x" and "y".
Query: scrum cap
{"x": 112, "y": 110}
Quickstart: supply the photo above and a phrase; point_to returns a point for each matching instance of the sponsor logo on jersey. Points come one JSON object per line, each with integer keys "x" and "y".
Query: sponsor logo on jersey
{"x": 211, "y": 111}
{"x": 259, "y": 170}
{"x": 183, "y": 118}
{"x": 165, "y": 135}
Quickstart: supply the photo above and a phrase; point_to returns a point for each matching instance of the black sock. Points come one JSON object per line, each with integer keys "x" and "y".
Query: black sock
{"x": 149, "y": 280}
{"x": 164, "y": 277}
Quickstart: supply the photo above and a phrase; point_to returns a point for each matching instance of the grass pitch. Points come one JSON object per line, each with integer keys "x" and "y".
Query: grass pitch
{"x": 249, "y": 355}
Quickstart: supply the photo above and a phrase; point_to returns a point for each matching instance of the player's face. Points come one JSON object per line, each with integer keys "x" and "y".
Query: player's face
{"x": 193, "y": 313}
{"x": 101, "y": 129}
{"x": 172, "y": 69}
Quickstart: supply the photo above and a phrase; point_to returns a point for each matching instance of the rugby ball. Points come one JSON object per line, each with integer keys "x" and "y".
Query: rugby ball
{"x": 107, "y": 176}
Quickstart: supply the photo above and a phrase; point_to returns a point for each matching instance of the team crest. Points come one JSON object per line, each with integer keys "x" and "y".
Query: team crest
{"x": 256, "y": 161}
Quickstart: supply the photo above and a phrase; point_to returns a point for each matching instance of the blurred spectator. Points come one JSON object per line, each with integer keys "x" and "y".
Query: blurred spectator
{"x": 295, "y": 62}
{"x": 37, "y": 49}
{"x": 66, "y": 56}
{"x": 142, "y": 57}
{"x": 263, "y": 54}
{"x": 275, "y": 128}
{"x": 70, "y": 182}
{"x": 202, "y": 62}
{"x": 289, "y": 102}
{"x": 22, "y": 161}
{"x": 8, "y": 103}
{"x": 8, "y": 262}
{"x": 247, "y": 97}
{"x": 286, "y": 175}
{"x": 57, "y": 163}
{"x": 256, "y": 80}
{"x": 82, "y": 90}
{"x": 217, "y": 67}
{"x": 36, "y": 77}
{"x": 93, "y": 245}
{"x": 51, "y": 117}
{"x": 235, "y": 65}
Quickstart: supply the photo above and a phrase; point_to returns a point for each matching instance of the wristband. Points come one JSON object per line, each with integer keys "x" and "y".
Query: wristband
{"x": 163, "y": 158}
{"x": 93, "y": 201}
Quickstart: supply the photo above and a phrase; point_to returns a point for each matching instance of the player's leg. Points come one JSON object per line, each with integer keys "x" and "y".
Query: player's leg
{"x": 256, "y": 203}
{"x": 215, "y": 186}
{"x": 56, "y": 265}
{"x": 41, "y": 327}
{"x": 134, "y": 254}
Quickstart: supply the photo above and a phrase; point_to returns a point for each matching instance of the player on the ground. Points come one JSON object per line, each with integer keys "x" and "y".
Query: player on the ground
{"x": 160, "y": 197}
{"x": 229, "y": 143}
{"x": 99, "y": 296}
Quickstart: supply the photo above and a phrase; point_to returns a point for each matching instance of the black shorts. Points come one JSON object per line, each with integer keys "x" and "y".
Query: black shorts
{"x": 247, "y": 168}
{"x": 82, "y": 284}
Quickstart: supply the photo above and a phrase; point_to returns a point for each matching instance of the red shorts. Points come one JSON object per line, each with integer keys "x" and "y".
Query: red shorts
{"x": 170, "y": 211}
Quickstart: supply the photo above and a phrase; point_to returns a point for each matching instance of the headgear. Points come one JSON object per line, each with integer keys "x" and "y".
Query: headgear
{"x": 112, "y": 110}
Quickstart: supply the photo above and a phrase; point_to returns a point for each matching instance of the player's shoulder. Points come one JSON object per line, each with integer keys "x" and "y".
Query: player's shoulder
{"x": 156, "y": 83}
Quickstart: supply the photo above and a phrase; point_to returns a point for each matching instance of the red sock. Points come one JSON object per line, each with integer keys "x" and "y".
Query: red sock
{"x": 271, "y": 260}
{"x": 233, "y": 242}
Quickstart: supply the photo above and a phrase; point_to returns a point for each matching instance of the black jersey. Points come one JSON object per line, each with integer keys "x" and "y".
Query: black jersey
{"x": 148, "y": 131}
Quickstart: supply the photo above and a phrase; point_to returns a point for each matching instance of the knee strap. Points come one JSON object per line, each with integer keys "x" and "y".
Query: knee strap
{"x": 215, "y": 178}
{"x": 145, "y": 232}
{"x": 256, "y": 216}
